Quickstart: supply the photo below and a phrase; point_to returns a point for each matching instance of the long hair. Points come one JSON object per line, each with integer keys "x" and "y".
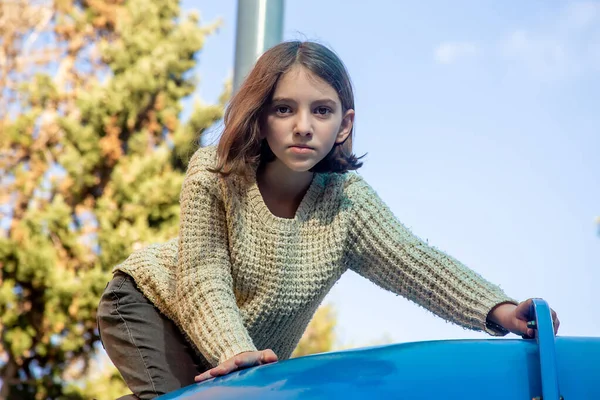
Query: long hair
{"x": 241, "y": 149}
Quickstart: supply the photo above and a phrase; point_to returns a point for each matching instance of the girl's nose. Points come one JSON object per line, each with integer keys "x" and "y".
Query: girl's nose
{"x": 303, "y": 125}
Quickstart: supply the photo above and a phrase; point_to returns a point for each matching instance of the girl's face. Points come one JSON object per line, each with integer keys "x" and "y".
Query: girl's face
{"x": 304, "y": 120}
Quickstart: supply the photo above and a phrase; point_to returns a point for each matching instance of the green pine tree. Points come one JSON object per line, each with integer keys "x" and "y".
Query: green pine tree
{"x": 92, "y": 157}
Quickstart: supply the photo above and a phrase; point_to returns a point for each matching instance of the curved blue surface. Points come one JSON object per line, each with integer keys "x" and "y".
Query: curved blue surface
{"x": 450, "y": 370}
{"x": 456, "y": 369}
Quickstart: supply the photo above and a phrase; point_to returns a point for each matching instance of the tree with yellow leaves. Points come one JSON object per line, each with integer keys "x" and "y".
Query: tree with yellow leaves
{"x": 319, "y": 336}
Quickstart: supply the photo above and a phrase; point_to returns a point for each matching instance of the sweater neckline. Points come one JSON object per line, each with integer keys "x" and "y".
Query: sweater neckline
{"x": 303, "y": 212}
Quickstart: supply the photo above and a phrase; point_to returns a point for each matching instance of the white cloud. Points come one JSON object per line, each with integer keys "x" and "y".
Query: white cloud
{"x": 564, "y": 44}
{"x": 451, "y": 52}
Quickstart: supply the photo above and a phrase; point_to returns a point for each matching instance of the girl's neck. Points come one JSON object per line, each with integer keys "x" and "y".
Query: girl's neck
{"x": 281, "y": 188}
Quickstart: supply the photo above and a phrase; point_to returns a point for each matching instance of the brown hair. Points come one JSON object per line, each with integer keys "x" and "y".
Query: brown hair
{"x": 241, "y": 148}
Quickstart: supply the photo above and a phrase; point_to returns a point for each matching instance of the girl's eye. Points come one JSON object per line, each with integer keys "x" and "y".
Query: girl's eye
{"x": 282, "y": 109}
{"x": 323, "y": 110}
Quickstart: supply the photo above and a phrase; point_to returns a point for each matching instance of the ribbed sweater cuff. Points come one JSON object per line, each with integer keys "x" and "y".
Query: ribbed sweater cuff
{"x": 490, "y": 327}
{"x": 235, "y": 349}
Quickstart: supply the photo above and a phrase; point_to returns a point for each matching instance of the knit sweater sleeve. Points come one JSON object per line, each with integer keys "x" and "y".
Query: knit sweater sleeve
{"x": 206, "y": 306}
{"x": 384, "y": 251}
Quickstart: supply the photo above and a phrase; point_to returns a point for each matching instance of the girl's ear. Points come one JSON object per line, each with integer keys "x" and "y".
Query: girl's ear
{"x": 345, "y": 126}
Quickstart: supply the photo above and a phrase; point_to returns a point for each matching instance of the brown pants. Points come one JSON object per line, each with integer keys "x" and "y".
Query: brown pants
{"x": 147, "y": 348}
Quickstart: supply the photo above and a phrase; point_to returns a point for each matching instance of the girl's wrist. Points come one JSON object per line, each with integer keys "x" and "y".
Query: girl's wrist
{"x": 502, "y": 314}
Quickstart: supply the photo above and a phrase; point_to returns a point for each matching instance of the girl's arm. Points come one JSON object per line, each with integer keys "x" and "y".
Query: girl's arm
{"x": 381, "y": 249}
{"x": 206, "y": 305}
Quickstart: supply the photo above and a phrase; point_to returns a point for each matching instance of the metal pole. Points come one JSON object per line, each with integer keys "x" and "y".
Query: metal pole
{"x": 259, "y": 27}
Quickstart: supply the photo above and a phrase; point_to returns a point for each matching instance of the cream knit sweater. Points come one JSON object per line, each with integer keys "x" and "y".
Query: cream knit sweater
{"x": 239, "y": 278}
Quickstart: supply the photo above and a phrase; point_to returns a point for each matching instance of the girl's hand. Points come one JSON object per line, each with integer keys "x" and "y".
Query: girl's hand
{"x": 240, "y": 361}
{"x": 514, "y": 318}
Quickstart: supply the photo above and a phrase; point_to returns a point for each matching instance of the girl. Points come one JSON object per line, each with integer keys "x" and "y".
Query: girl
{"x": 270, "y": 220}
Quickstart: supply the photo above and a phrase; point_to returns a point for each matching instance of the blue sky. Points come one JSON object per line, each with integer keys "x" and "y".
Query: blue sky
{"x": 481, "y": 121}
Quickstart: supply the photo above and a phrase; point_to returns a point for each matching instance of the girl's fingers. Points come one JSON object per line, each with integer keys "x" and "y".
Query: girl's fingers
{"x": 233, "y": 364}
{"x": 268, "y": 356}
{"x": 219, "y": 370}
{"x": 203, "y": 376}
{"x": 555, "y": 322}
{"x": 520, "y": 327}
{"x": 223, "y": 369}
{"x": 240, "y": 361}
{"x": 522, "y": 310}
{"x": 523, "y": 313}
{"x": 254, "y": 358}
{"x": 245, "y": 360}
